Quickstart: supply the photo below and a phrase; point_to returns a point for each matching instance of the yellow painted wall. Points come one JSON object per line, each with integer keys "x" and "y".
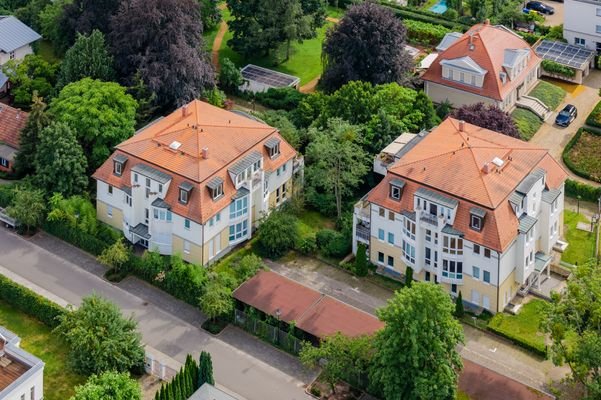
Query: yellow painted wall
{"x": 509, "y": 283}
{"x": 116, "y": 221}
{"x": 484, "y": 289}
{"x": 195, "y": 255}
{"x": 378, "y": 246}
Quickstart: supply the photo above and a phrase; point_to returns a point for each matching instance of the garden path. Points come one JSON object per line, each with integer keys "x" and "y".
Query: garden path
{"x": 218, "y": 40}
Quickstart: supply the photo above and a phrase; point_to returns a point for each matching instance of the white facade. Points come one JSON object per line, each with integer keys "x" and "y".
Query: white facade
{"x": 29, "y": 385}
{"x": 18, "y": 54}
{"x": 582, "y": 23}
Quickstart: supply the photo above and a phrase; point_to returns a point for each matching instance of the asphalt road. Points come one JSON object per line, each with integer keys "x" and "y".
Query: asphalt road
{"x": 241, "y": 363}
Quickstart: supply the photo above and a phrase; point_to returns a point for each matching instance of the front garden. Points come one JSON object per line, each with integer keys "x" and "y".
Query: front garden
{"x": 581, "y": 154}
{"x": 527, "y": 122}
{"x": 581, "y": 244}
{"x": 551, "y": 95}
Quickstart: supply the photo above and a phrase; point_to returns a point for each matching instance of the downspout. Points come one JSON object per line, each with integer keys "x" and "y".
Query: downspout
{"x": 203, "y": 245}
{"x": 498, "y": 278}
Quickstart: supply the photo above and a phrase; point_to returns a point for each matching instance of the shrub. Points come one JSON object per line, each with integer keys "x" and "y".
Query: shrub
{"x": 557, "y": 68}
{"x": 427, "y": 16}
{"x": 248, "y": 266}
{"x": 408, "y": 277}
{"x": 594, "y": 118}
{"x": 323, "y": 237}
{"x": 29, "y": 302}
{"x": 7, "y": 194}
{"x": 360, "y": 267}
{"x": 281, "y": 98}
{"x": 424, "y": 32}
{"x": 277, "y": 234}
{"x": 76, "y": 237}
{"x": 333, "y": 243}
{"x": 307, "y": 245}
{"x": 586, "y": 192}
{"x": 459, "y": 311}
{"x": 230, "y": 77}
{"x": 451, "y": 14}
{"x": 581, "y": 155}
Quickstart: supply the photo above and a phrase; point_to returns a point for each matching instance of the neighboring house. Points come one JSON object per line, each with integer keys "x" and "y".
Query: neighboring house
{"x": 488, "y": 63}
{"x": 12, "y": 121}
{"x": 16, "y": 39}
{"x": 582, "y": 23}
{"x": 21, "y": 374}
{"x": 195, "y": 182}
{"x": 210, "y": 392}
{"x": 258, "y": 79}
{"x": 576, "y": 58}
{"x": 468, "y": 208}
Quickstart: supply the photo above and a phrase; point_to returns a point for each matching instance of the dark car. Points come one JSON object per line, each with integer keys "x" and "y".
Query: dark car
{"x": 566, "y": 116}
{"x": 540, "y": 7}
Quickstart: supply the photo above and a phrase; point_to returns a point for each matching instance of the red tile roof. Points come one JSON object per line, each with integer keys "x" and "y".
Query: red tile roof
{"x": 228, "y": 137}
{"x": 450, "y": 162}
{"x": 313, "y": 312}
{"x": 490, "y": 43}
{"x": 12, "y": 121}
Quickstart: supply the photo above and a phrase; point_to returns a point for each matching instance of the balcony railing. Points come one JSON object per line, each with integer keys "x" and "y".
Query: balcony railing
{"x": 362, "y": 208}
{"x": 429, "y": 218}
{"x": 362, "y": 232}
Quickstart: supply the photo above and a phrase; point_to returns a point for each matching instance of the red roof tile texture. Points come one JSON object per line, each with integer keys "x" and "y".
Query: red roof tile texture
{"x": 489, "y": 45}
{"x": 313, "y": 312}
{"x": 450, "y": 161}
{"x": 227, "y": 136}
{"x": 12, "y": 121}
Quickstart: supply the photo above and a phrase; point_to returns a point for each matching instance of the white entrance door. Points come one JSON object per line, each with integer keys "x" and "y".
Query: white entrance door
{"x": 486, "y": 302}
{"x": 475, "y": 297}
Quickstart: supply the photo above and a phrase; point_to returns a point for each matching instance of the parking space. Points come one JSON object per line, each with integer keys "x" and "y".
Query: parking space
{"x": 557, "y": 18}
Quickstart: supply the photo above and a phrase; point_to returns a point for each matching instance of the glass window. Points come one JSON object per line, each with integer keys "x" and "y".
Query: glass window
{"x": 476, "y": 222}
{"x": 380, "y": 257}
{"x": 217, "y": 192}
{"x": 486, "y": 276}
{"x": 381, "y": 234}
{"x": 382, "y": 212}
{"x": 487, "y": 253}
{"x": 408, "y": 252}
{"x": 109, "y": 211}
{"x": 452, "y": 245}
{"x": 391, "y": 215}
{"x": 148, "y": 182}
{"x": 428, "y": 235}
{"x": 239, "y": 207}
{"x": 409, "y": 229}
{"x": 428, "y": 256}
{"x": 110, "y": 189}
{"x": 476, "y": 248}
{"x": 156, "y": 213}
{"x": 183, "y": 196}
{"x": 476, "y": 272}
{"x": 452, "y": 269}
{"x": 274, "y": 151}
{"x": 160, "y": 188}
{"x": 598, "y": 28}
{"x": 187, "y": 223}
{"x": 136, "y": 178}
{"x": 395, "y": 192}
{"x": 390, "y": 261}
{"x": 218, "y": 217}
{"x": 118, "y": 168}
{"x": 186, "y": 247}
{"x": 390, "y": 237}
{"x": 238, "y": 230}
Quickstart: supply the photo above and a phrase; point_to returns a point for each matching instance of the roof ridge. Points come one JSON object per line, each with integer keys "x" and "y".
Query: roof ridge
{"x": 489, "y": 59}
{"x": 478, "y": 169}
{"x": 428, "y": 158}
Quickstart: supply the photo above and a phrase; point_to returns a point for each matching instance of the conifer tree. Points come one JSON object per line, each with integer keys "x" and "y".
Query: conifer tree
{"x": 459, "y": 311}
{"x": 29, "y": 139}
{"x": 205, "y": 369}
{"x": 408, "y": 276}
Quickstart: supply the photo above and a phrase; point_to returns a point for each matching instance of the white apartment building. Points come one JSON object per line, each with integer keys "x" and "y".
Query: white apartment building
{"x": 21, "y": 374}
{"x": 196, "y": 182}
{"x": 582, "y": 23}
{"x": 16, "y": 40}
{"x": 473, "y": 210}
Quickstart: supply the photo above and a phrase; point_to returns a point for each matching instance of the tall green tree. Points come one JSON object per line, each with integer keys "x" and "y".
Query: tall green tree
{"x": 367, "y": 45}
{"x": 210, "y": 14}
{"x": 336, "y": 163}
{"x": 573, "y": 322}
{"x": 109, "y": 386}
{"x": 29, "y": 75}
{"x": 100, "y": 338}
{"x": 50, "y": 21}
{"x": 60, "y": 165}
{"x": 217, "y": 299}
{"x": 278, "y": 234}
{"x": 205, "y": 369}
{"x": 416, "y": 353}
{"x": 30, "y": 136}
{"x": 28, "y": 207}
{"x": 344, "y": 357}
{"x": 87, "y": 58}
{"x": 161, "y": 40}
{"x": 260, "y": 26}
{"x": 115, "y": 256}
{"x": 101, "y": 113}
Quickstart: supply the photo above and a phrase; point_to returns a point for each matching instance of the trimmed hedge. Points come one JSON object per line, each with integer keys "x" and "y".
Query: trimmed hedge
{"x": 76, "y": 237}
{"x": 412, "y": 14}
{"x": 557, "y": 68}
{"x": 594, "y": 118}
{"x": 586, "y": 192}
{"x": 424, "y": 32}
{"x": 566, "y": 155}
{"x": 527, "y": 345}
{"x": 30, "y": 302}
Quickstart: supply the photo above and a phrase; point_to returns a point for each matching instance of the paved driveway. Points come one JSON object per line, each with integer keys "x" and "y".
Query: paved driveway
{"x": 242, "y": 363}
{"x": 557, "y": 18}
{"x": 555, "y": 138}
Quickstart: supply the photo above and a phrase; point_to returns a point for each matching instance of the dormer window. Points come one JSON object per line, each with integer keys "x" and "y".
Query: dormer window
{"x": 396, "y": 189}
{"x": 477, "y": 218}
{"x": 215, "y": 187}
{"x": 273, "y": 147}
{"x": 118, "y": 163}
{"x": 184, "y": 192}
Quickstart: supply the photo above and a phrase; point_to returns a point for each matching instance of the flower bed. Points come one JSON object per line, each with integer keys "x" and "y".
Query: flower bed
{"x": 594, "y": 118}
{"x": 581, "y": 155}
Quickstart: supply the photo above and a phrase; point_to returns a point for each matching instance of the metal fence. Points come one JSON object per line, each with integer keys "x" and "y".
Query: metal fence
{"x": 266, "y": 331}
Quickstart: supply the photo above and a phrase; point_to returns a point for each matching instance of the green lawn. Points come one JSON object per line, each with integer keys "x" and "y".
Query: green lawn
{"x": 527, "y": 122}
{"x": 335, "y": 12}
{"x": 38, "y": 339}
{"x": 549, "y": 94}
{"x": 46, "y": 51}
{"x": 581, "y": 244}
{"x": 209, "y": 37}
{"x": 304, "y": 62}
{"x": 462, "y": 396}
{"x": 585, "y": 155}
{"x": 522, "y": 327}
{"x": 309, "y": 222}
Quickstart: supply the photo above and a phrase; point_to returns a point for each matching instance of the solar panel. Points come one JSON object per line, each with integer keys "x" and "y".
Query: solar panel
{"x": 564, "y": 53}
{"x": 268, "y": 77}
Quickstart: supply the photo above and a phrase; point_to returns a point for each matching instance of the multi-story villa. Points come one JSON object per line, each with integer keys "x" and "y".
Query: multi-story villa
{"x": 195, "y": 182}
{"x": 21, "y": 374}
{"x": 16, "y": 41}
{"x": 468, "y": 208}
{"x": 582, "y": 23}
{"x": 488, "y": 63}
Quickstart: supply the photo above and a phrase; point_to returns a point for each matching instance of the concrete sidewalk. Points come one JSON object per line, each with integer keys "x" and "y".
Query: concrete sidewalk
{"x": 242, "y": 363}
{"x": 481, "y": 348}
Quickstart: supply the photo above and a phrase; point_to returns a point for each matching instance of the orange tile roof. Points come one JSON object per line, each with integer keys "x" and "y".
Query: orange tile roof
{"x": 12, "y": 121}
{"x": 313, "y": 312}
{"x": 450, "y": 162}
{"x": 490, "y": 43}
{"x": 227, "y": 136}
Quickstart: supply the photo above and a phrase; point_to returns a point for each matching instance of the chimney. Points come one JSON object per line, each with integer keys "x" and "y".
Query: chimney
{"x": 185, "y": 111}
{"x": 486, "y": 168}
{"x": 487, "y": 21}
{"x": 205, "y": 153}
{"x": 461, "y": 126}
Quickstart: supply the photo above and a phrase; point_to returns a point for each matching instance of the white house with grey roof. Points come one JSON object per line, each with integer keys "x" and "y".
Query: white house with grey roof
{"x": 16, "y": 41}
{"x": 21, "y": 374}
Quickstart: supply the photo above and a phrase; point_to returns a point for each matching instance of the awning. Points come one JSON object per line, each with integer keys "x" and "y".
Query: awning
{"x": 140, "y": 230}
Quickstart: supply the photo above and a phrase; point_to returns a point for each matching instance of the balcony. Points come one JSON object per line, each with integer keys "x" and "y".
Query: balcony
{"x": 429, "y": 218}
{"x": 298, "y": 164}
{"x": 362, "y": 233}
{"x": 362, "y": 210}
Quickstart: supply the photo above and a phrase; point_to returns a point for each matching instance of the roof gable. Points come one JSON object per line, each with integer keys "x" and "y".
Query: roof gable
{"x": 15, "y": 34}
{"x": 465, "y": 63}
{"x": 12, "y": 121}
